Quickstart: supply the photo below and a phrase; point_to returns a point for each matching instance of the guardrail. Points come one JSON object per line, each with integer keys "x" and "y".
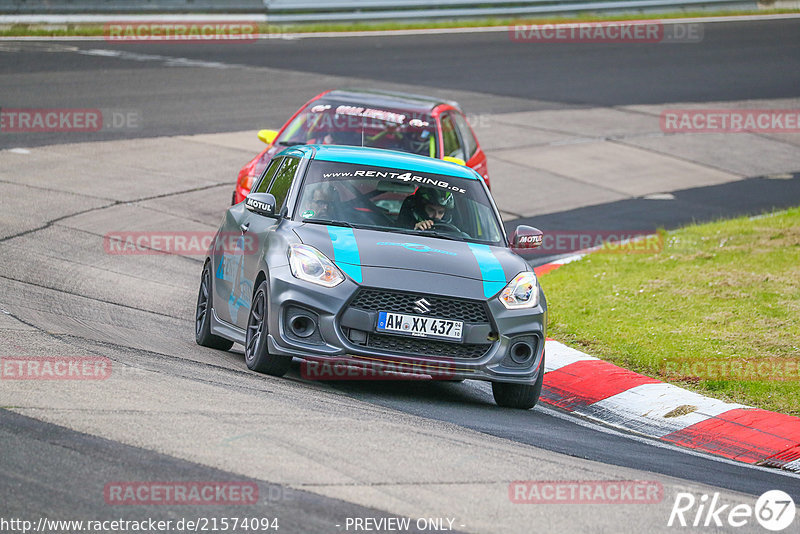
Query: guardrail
{"x": 287, "y": 11}
{"x": 291, "y": 11}
{"x": 85, "y": 7}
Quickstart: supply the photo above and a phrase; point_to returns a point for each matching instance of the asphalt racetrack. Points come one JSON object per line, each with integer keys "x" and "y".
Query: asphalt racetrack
{"x": 574, "y": 142}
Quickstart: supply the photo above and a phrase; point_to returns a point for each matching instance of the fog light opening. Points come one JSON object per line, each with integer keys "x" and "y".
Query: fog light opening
{"x": 302, "y": 325}
{"x": 521, "y": 352}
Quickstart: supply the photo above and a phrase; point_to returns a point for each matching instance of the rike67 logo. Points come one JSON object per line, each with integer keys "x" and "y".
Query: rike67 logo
{"x": 774, "y": 510}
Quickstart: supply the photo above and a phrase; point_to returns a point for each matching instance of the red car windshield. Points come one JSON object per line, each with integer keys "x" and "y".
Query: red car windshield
{"x": 330, "y": 123}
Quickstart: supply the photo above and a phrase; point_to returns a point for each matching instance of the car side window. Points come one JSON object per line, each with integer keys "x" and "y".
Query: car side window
{"x": 263, "y": 185}
{"x": 283, "y": 181}
{"x": 470, "y": 144}
{"x": 451, "y": 143}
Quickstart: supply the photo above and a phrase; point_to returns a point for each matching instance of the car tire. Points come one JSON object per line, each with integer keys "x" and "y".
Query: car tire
{"x": 520, "y": 396}
{"x": 256, "y": 353}
{"x": 202, "y": 319}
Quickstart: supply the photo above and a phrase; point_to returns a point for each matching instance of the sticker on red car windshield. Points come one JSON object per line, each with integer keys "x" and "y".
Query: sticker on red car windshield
{"x": 370, "y": 113}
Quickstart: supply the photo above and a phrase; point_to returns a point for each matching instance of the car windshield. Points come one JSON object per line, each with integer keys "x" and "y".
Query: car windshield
{"x": 397, "y": 200}
{"x": 329, "y": 123}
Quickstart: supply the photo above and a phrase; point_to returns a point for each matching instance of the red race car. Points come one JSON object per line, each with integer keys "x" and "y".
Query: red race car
{"x": 395, "y": 121}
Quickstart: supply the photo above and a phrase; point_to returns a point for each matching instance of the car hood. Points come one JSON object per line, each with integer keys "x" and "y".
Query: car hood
{"x": 416, "y": 263}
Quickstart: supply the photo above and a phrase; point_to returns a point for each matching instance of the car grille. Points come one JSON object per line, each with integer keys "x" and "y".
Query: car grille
{"x": 427, "y": 347}
{"x": 469, "y": 311}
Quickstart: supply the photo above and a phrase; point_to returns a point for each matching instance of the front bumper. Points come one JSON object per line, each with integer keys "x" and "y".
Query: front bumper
{"x": 315, "y": 323}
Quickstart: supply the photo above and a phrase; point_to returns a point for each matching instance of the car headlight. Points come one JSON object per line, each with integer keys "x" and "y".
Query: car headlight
{"x": 521, "y": 292}
{"x": 311, "y": 265}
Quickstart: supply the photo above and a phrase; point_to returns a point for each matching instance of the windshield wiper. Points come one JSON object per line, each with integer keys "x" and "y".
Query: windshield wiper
{"x": 291, "y": 143}
{"x": 426, "y": 233}
{"x": 329, "y": 222}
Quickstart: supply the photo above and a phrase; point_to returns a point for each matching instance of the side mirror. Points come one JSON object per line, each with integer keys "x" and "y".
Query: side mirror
{"x": 267, "y": 136}
{"x": 526, "y": 238}
{"x": 261, "y": 203}
{"x": 457, "y": 161}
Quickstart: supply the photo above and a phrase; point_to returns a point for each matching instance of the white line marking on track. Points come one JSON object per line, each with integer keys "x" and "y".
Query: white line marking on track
{"x": 168, "y": 61}
{"x": 766, "y": 215}
{"x": 659, "y": 196}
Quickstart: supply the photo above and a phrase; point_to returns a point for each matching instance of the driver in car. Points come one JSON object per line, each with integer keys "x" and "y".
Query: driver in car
{"x": 425, "y": 208}
{"x": 322, "y": 203}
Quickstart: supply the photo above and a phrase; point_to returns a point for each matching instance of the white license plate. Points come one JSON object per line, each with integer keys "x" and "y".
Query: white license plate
{"x": 416, "y": 325}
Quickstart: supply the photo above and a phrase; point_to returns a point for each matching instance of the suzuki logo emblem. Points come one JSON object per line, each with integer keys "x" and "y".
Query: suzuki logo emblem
{"x": 422, "y": 306}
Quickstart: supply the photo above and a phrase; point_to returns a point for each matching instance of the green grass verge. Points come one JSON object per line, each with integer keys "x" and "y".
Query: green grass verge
{"x": 717, "y": 310}
{"x": 89, "y": 30}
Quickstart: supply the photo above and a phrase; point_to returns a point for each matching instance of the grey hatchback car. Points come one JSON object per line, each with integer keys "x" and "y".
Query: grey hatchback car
{"x": 379, "y": 258}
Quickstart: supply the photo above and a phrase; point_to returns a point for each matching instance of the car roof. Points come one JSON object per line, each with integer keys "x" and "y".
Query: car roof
{"x": 382, "y": 158}
{"x": 387, "y": 99}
